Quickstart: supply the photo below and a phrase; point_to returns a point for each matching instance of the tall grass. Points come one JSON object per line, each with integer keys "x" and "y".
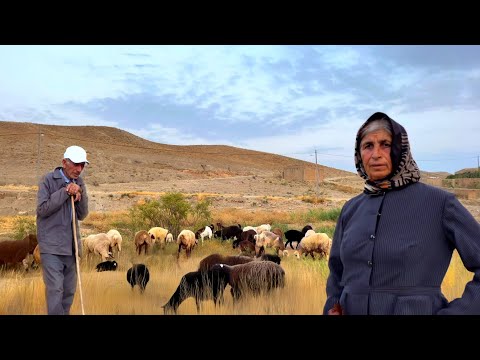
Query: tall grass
{"x": 106, "y": 293}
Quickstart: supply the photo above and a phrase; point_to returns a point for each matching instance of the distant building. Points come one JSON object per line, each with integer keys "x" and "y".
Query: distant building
{"x": 303, "y": 173}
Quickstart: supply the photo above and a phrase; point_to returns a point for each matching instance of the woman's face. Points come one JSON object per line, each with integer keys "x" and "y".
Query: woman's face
{"x": 375, "y": 152}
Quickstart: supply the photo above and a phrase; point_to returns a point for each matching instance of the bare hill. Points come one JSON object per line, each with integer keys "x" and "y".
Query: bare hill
{"x": 117, "y": 156}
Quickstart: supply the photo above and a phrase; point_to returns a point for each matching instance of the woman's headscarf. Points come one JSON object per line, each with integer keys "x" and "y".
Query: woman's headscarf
{"x": 404, "y": 169}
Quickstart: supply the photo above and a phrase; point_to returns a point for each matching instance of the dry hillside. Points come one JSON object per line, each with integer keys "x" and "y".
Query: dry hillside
{"x": 125, "y": 169}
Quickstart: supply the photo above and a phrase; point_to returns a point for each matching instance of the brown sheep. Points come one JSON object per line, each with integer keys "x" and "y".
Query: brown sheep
{"x": 186, "y": 240}
{"x": 254, "y": 277}
{"x": 207, "y": 262}
{"x": 14, "y": 251}
{"x": 142, "y": 241}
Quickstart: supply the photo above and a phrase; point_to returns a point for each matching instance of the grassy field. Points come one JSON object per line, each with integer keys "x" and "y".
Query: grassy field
{"x": 108, "y": 293}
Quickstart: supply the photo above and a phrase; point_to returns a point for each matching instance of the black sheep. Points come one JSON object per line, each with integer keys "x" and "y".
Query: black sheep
{"x": 139, "y": 275}
{"x": 201, "y": 285}
{"x": 295, "y": 235}
{"x": 107, "y": 266}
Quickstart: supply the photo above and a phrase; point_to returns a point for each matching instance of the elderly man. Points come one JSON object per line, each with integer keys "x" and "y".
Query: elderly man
{"x": 55, "y": 228}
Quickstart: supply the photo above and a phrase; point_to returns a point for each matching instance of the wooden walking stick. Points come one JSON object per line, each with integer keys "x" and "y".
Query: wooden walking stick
{"x": 76, "y": 253}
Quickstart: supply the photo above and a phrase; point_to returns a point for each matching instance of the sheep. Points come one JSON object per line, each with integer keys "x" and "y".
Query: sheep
{"x": 252, "y": 277}
{"x": 107, "y": 266}
{"x": 268, "y": 239}
{"x": 209, "y": 261}
{"x": 204, "y": 232}
{"x": 115, "y": 240}
{"x": 139, "y": 275}
{"x": 169, "y": 238}
{"x": 316, "y": 242}
{"x": 186, "y": 240}
{"x": 15, "y": 251}
{"x": 201, "y": 285}
{"x": 269, "y": 257}
{"x": 142, "y": 241}
{"x": 295, "y": 235}
{"x": 245, "y": 247}
{"x": 245, "y": 235}
{"x": 246, "y": 228}
{"x": 98, "y": 244}
{"x": 233, "y": 231}
{"x": 263, "y": 227}
{"x": 158, "y": 234}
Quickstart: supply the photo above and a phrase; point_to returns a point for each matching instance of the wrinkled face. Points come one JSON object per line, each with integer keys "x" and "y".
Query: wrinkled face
{"x": 72, "y": 170}
{"x": 375, "y": 152}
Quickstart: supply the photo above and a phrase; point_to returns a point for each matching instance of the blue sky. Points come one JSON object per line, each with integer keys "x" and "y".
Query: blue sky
{"x": 287, "y": 100}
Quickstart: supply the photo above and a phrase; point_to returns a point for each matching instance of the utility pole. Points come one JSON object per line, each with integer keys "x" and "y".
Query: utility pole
{"x": 317, "y": 175}
{"x": 478, "y": 165}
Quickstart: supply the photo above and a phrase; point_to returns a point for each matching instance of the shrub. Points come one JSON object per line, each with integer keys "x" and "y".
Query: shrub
{"x": 24, "y": 225}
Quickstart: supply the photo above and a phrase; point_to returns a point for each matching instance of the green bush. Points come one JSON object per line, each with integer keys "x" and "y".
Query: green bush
{"x": 170, "y": 211}
{"x": 24, "y": 225}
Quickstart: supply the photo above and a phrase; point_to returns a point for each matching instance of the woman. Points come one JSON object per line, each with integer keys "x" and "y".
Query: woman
{"x": 393, "y": 243}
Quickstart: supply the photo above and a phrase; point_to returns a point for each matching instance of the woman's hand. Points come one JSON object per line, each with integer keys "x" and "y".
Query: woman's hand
{"x": 335, "y": 310}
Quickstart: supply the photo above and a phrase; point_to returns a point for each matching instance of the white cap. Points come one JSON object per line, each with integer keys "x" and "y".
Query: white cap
{"x": 76, "y": 154}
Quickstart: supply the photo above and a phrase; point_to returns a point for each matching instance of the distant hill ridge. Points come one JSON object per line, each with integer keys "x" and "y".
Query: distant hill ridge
{"x": 117, "y": 156}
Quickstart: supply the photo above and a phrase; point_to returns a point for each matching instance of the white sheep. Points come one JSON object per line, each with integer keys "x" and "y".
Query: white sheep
{"x": 169, "y": 238}
{"x": 264, "y": 227}
{"x": 115, "y": 239}
{"x": 246, "y": 228}
{"x": 316, "y": 242}
{"x": 158, "y": 234}
{"x": 206, "y": 233}
{"x": 98, "y": 244}
{"x": 186, "y": 240}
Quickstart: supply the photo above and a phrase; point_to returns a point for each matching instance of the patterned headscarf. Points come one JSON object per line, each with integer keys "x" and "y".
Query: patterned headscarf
{"x": 404, "y": 169}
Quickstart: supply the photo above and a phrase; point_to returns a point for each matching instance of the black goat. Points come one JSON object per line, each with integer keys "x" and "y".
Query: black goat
{"x": 139, "y": 275}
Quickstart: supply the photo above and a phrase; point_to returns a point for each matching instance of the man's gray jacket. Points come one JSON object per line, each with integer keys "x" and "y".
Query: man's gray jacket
{"x": 54, "y": 215}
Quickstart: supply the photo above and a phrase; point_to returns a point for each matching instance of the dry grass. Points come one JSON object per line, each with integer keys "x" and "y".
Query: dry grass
{"x": 108, "y": 293}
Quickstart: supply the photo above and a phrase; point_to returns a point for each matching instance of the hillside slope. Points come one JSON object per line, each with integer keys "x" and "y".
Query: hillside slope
{"x": 116, "y": 156}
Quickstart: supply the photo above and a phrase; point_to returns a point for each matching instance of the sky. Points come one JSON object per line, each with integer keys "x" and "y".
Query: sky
{"x": 296, "y": 101}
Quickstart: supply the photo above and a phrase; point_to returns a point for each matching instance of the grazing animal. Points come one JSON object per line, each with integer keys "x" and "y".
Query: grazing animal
{"x": 295, "y": 235}
{"x": 270, "y": 257}
{"x": 314, "y": 243}
{"x": 115, "y": 240}
{"x": 169, "y": 238}
{"x": 15, "y": 251}
{"x": 207, "y": 262}
{"x": 268, "y": 239}
{"x": 186, "y": 240}
{"x": 107, "y": 266}
{"x": 139, "y": 275}
{"x": 201, "y": 285}
{"x": 158, "y": 234}
{"x": 253, "y": 277}
{"x": 98, "y": 244}
{"x": 233, "y": 231}
{"x": 142, "y": 241}
{"x": 204, "y": 232}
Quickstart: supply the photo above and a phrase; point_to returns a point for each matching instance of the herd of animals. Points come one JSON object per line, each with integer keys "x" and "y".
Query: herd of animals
{"x": 252, "y": 271}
